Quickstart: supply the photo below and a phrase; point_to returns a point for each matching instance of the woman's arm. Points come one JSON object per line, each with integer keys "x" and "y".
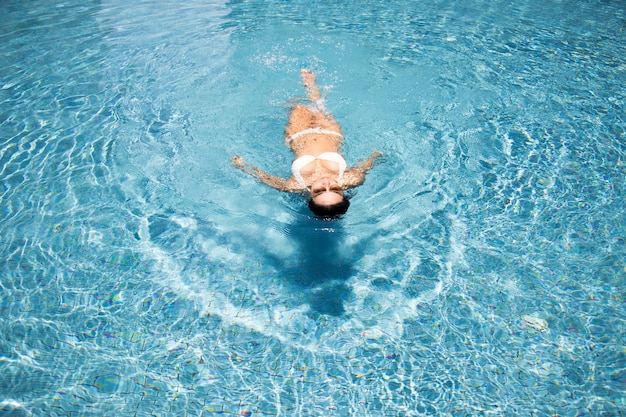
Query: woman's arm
{"x": 355, "y": 176}
{"x": 267, "y": 179}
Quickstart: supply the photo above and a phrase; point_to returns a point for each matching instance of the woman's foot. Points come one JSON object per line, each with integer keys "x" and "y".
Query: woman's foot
{"x": 310, "y": 83}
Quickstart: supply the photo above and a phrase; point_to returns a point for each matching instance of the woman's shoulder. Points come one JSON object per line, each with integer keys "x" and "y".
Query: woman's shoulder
{"x": 353, "y": 177}
{"x": 293, "y": 186}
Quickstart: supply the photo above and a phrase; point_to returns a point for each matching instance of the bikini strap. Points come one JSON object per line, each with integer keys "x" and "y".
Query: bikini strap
{"x": 316, "y": 130}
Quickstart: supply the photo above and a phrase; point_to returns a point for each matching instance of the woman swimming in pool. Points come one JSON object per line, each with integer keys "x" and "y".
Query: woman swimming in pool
{"x": 318, "y": 169}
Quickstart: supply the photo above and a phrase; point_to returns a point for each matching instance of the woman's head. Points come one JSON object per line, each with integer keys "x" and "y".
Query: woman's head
{"x": 327, "y": 199}
{"x": 332, "y": 210}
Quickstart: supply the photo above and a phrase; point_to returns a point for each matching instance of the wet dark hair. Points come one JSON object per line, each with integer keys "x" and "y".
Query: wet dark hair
{"x": 331, "y": 211}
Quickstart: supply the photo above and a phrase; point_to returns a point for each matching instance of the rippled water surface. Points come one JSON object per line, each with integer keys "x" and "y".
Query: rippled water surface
{"x": 479, "y": 272}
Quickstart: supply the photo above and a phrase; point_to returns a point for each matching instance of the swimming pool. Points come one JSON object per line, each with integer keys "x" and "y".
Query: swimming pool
{"x": 480, "y": 269}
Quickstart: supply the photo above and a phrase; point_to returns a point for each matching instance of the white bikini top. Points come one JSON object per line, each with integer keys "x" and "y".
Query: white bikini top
{"x": 304, "y": 160}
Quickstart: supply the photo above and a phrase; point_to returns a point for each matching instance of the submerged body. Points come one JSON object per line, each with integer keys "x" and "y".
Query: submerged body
{"x": 319, "y": 168}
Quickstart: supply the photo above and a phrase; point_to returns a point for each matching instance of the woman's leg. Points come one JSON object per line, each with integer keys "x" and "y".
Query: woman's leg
{"x": 306, "y": 117}
{"x": 310, "y": 83}
{"x": 302, "y": 118}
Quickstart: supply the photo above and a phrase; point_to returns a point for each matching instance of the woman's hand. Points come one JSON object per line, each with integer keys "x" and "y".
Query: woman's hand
{"x": 267, "y": 179}
{"x": 369, "y": 163}
{"x": 238, "y": 161}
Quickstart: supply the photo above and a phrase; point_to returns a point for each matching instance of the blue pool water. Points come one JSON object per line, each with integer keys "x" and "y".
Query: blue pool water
{"x": 479, "y": 272}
